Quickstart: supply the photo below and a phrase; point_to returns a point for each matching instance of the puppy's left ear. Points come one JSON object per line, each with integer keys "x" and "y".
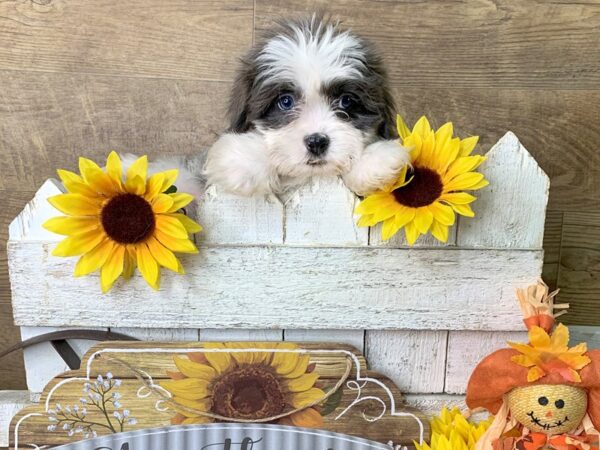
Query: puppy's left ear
{"x": 387, "y": 127}
{"x": 239, "y": 101}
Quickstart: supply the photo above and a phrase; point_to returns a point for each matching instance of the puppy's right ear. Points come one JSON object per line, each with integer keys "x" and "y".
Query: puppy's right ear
{"x": 239, "y": 102}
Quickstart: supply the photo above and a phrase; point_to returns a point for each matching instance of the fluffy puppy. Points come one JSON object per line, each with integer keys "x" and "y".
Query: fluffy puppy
{"x": 310, "y": 99}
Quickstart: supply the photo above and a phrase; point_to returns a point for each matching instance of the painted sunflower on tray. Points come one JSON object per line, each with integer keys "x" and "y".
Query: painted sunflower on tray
{"x": 245, "y": 386}
{"x": 426, "y": 197}
{"x": 118, "y": 223}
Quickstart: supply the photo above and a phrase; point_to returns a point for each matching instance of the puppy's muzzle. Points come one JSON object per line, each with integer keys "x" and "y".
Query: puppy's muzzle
{"x": 317, "y": 144}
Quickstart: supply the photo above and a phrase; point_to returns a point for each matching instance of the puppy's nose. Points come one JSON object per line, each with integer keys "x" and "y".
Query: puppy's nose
{"x": 317, "y": 143}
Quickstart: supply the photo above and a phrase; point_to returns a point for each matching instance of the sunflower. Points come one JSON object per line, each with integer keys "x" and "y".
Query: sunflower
{"x": 248, "y": 385}
{"x": 451, "y": 431}
{"x": 427, "y": 196}
{"x": 551, "y": 353}
{"x": 119, "y": 223}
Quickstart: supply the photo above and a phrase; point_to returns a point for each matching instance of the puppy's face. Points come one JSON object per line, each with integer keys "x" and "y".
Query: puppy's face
{"x": 318, "y": 95}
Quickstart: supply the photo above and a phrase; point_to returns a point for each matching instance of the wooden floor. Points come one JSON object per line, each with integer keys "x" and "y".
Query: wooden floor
{"x": 149, "y": 76}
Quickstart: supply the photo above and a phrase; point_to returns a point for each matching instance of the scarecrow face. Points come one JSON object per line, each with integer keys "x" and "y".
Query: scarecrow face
{"x": 549, "y": 409}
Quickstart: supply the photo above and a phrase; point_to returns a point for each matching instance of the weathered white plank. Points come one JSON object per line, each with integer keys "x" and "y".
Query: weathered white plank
{"x": 322, "y": 212}
{"x": 28, "y": 224}
{"x": 285, "y": 287}
{"x": 222, "y": 335}
{"x": 42, "y": 362}
{"x": 356, "y": 338}
{"x": 467, "y": 348}
{"x": 432, "y": 404}
{"x": 230, "y": 219}
{"x": 160, "y": 334}
{"x": 399, "y": 239}
{"x": 413, "y": 360}
{"x": 510, "y": 212}
{"x": 11, "y": 402}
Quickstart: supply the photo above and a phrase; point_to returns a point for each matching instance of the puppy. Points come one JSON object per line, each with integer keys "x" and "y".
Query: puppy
{"x": 310, "y": 99}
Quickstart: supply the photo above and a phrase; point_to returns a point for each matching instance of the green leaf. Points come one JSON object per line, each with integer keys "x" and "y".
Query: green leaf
{"x": 172, "y": 189}
{"x": 332, "y": 402}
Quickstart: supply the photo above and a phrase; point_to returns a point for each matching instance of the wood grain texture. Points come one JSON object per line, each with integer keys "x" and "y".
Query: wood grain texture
{"x": 48, "y": 120}
{"x": 579, "y": 276}
{"x": 331, "y": 362}
{"x": 510, "y": 211}
{"x": 223, "y": 335}
{"x": 438, "y": 289}
{"x": 181, "y": 39}
{"x": 552, "y": 246}
{"x": 467, "y": 348}
{"x": 432, "y": 43}
{"x": 354, "y": 338}
{"x": 413, "y": 360}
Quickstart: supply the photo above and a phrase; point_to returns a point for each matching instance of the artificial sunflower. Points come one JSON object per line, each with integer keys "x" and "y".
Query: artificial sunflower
{"x": 452, "y": 431}
{"x": 551, "y": 353}
{"x": 427, "y": 196}
{"x": 249, "y": 385}
{"x": 119, "y": 223}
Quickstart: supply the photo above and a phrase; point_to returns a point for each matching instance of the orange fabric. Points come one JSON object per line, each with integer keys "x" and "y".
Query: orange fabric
{"x": 539, "y": 441}
{"x": 541, "y": 320}
{"x": 496, "y": 375}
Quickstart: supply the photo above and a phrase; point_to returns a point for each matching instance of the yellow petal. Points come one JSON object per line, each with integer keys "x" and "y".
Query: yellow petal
{"x": 78, "y": 244}
{"x": 390, "y": 228}
{"x": 162, "y": 255}
{"x": 439, "y": 231}
{"x": 199, "y": 405}
{"x": 372, "y": 203}
{"x": 139, "y": 169}
{"x": 176, "y": 245}
{"x": 188, "y": 388}
{"x": 301, "y": 366}
{"x": 442, "y": 213}
{"x": 463, "y": 165}
{"x": 523, "y": 360}
{"x": 190, "y": 225}
{"x": 75, "y": 184}
{"x": 68, "y": 225}
{"x": 75, "y": 204}
{"x": 458, "y": 198}
{"x": 559, "y": 338}
{"x": 112, "y": 268}
{"x": 411, "y": 232}
{"x": 422, "y": 127}
{"x": 113, "y": 167}
{"x": 148, "y": 265}
{"x": 403, "y": 130}
{"x": 463, "y": 210}
{"x": 463, "y": 181}
{"x": 284, "y": 362}
{"x": 171, "y": 226}
{"x": 94, "y": 259}
{"x": 100, "y": 181}
{"x": 170, "y": 177}
{"x": 85, "y": 163}
{"x": 154, "y": 186}
{"x": 162, "y": 203}
{"x": 220, "y": 360}
{"x": 443, "y": 135}
{"x": 196, "y": 420}
{"x": 130, "y": 262}
{"x": 192, "y": 369}
{"x": 180, "y": 200}
{"x": 302, "y": 399}
{"x": 534, "y": 374}
{"x": 467, "y": 145}
{"x": 302, "y": 383}
{"x": 135, "y": 185}
{"x": 423, "y": 219}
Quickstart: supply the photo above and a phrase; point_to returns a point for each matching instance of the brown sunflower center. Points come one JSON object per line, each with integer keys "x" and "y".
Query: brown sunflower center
{"x": 248, "y": 392}
{"x": 425, "y": 188}
{"x": 128, "y": 218}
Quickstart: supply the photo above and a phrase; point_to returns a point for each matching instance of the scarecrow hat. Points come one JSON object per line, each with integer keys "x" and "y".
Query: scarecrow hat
{"x": 546, "y": 359}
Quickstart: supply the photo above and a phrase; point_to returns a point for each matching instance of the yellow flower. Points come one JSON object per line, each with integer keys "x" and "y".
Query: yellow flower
{"x": 545, "y": 354}
{"x": 426, "y": 197}
{"x": 119, "y": 223}
{"x": 451, "y": 431}
{"x": 249, "y": 385}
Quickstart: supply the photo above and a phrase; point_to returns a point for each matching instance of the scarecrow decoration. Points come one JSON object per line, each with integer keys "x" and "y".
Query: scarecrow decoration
{"x": 544, "y": 395}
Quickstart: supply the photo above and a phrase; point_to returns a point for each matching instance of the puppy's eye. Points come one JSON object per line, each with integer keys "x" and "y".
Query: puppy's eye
{"x": 285, "y": 102}
{"x": 346, "y": 101}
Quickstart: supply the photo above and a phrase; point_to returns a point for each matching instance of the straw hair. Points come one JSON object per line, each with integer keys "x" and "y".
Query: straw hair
{"x": 538, "y": 307}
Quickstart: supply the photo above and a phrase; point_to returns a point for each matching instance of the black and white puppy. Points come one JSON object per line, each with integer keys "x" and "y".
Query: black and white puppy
{"x": 310, "y": 99}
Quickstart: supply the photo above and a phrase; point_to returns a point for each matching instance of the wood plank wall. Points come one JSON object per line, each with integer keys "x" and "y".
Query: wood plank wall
{"x": 148, "y": 76}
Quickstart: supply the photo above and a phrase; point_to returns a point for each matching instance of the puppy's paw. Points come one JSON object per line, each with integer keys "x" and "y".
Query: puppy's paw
{"x": 238, "y": 164}
{"x": 379, "y": 165}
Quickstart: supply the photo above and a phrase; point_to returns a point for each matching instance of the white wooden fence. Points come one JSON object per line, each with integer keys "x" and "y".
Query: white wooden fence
{"x": 300, "y": 269}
